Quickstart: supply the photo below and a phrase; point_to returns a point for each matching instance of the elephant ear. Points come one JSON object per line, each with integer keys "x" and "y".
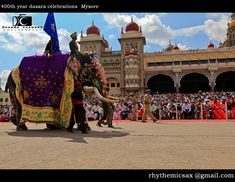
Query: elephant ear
{"x": 74, "y": 65}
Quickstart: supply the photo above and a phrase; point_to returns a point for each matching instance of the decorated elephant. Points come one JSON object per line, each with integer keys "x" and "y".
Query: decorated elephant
{"x": 40, "y": 88}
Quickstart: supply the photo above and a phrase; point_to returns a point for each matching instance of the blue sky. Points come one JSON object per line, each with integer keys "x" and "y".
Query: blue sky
{"x": 187, "y": 30}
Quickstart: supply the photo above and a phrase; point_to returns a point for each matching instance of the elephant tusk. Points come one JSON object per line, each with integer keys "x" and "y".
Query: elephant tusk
{"x": 115, "y": 98}
{"x": 103, "y": 98}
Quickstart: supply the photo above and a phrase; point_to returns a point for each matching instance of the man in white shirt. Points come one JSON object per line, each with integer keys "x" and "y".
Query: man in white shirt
{"x": 186, "y": 109}
{"x": 96, "y": 110}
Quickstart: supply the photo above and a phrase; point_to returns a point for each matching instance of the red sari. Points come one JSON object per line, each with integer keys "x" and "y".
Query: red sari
{"x": 218, "y": 110}
{"x": 233, "y": 108}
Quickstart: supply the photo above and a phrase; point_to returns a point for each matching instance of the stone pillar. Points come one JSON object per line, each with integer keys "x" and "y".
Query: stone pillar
{"x": 212, "y": 80}
{"x": 177, "y": 88}
{"x": 177, "y": 84}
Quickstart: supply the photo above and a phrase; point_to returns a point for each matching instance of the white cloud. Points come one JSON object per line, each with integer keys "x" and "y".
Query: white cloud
{"x": 111, "y": 36}
{"x": 216, "y": 29}
{"x": 117, "y": 20}
{"x": 183, "y": 46}
{"x": 3, "y": 78}
{"x": 16, "y": 41}
{"x": 217, "y": 16}
{"x": 5, "y": 19}
{"x": 64, "y": 39}
{"x": 152, "y": 27}
{"x": 157, "y": 33}
{"x": 189, "y": 31}
{"x": 20, "y": 41}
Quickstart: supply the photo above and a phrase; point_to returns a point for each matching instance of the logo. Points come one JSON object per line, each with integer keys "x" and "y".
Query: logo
{"x": 22, "y": 20}
{"x": 21, "y": 23}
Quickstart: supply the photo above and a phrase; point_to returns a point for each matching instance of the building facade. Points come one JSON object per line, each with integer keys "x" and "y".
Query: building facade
{"x": 4, "y": 98}
{"x": 172, "y": 70}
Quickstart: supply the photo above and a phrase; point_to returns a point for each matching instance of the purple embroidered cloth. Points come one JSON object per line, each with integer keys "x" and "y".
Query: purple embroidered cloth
{"x": 42, "y": 79}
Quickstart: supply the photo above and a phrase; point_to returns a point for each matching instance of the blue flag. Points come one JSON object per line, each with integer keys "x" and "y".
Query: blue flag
{"x": 50, "y": 29}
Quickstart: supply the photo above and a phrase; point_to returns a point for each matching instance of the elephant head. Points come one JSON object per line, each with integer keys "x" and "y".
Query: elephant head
{"x": 93, "y": 75}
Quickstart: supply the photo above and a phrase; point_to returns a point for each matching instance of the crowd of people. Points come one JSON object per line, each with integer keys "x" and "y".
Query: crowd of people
{"x": 5, "y": 113}
{"x": 201, "y": 105}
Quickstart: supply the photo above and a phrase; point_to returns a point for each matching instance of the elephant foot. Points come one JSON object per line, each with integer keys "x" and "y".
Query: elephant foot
{"x": 84, "y": 129}
{"x": 52, "y": 127}
{"x": 88, "y": 128}
{"x": 85, "y": 132}
{"x": 70, "y": 130}
{"x": 79, "y": 127}
{"x": 21, "y": 127}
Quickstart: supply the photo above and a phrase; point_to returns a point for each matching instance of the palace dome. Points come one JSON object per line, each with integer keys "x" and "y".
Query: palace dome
{"x": 169, "y": 47}
{"x": 220, "y": 44}
{"x": 93, "y": 29}
{"x": 132, "y": 26}
{"x": 176, "y": 48}
{"x": 211, "y": 45}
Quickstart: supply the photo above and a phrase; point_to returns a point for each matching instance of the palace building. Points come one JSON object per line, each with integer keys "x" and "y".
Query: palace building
{"x": 172, "y": 70}
{"x": 4, "y": 98}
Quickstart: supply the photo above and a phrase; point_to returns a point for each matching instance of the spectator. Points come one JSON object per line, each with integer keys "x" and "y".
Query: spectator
{"x": 96, "y": 109}
{"x": 218, "y": 109}
{"x": 186, "y": 109}
{"x": 117, "y": 112}
{"x": 90, "y": 114}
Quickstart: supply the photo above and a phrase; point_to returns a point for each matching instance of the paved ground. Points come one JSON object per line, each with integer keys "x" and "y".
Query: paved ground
{"x": 130, "y": 145}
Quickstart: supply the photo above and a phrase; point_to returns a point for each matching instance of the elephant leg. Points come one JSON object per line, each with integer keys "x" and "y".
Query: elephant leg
{"x": 72, "y": 122}
{"x": 83, "y": 127}
{"x": 15, "y": 118}
{"x": 88, "y": 128}
{"x": 21, "y": 127}
{"x": 80, "y": 114}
